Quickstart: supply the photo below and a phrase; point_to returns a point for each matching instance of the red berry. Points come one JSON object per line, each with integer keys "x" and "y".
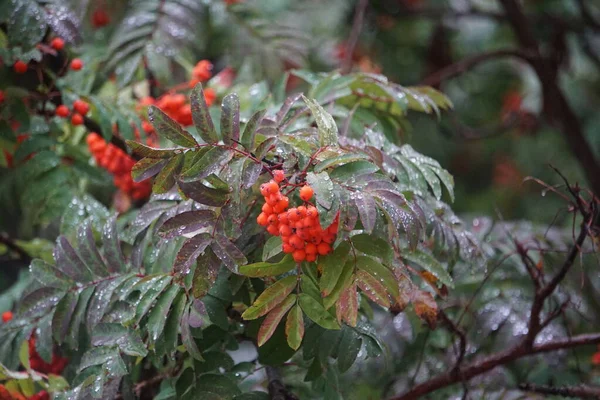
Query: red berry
{"x": 267, "y": 209}
{"x": 323, "y": 248}
{"x": 311, "y": 257}
{"x": 306, "y": 193}
{"x": 278, "y": 175}
{"x": 262, "y": 219}
{"x": 2, "y": 96}
{"x": 310, "y": 248}
{"x": 77, "y": 119}
{"x": 7, "y": 316}
{"x": 20, "y": 67}
{"x": 57, "y": 44}
{"x": 285, "y": 230}
{"x": 81, "y": 107}
{"x": 76, "y": 64}
{"x": 100, "y": 18}
{"x": 62, "y": 111}
{"x": 299, "y": 255}
{"x": 273, "y": 187}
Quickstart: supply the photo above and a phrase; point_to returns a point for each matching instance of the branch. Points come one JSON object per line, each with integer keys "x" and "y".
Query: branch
{"x": 12, "y": 246}
{"x": 462, "y": 66}
{"x": 581, "y": 391}
{"x": 277, "y": 390}
{"x": 359, "y": 16}
{"x": 491, "y": 362}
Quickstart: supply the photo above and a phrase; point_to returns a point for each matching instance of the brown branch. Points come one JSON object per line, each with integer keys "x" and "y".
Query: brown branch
{"x": 357, "y": 24}
{"x": 462, "y": 66}
{"x": 580, "y": 391}
{"x": 481, "y": 366}
{"x": 15, "y": 248}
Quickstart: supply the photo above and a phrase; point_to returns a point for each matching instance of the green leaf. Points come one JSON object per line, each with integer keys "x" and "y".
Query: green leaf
{"x": 88, "y": 251}
{"x": 205, "y": 274}
{"x": 323, "y": 187}
{"x": 228, "y": 253}
{"x": 210, "y": 163}
{"x": 147, "y": 168}
{"x": 273, "y": 318}
{"x": 62, "y": 317}
{"x": 145, "y": 151}
{"x": 373, "y": 246}
{"x": 367, "y": 210}
{"x": 352, "y": 170}
{"x": 186, "y": 222}
{"x": 249, "y": 133}
{"x": 72, "y": 337}
{"x": 203, "y": 194}
{"x": 316, "y": 312}
{"x": 230, "y": 119}
{"x": 189, "y": 252}
{"x": 218, "y": 385}
{"x": 343, "y": 282}
{"x": 165, "y": 126}
{"x": 107, "y": 356}
{"x": 149, "y": 296}
{"x": 294, "y": 327}
{"x": 332, "y": 266}
{"x": 171, "y": 330}
{"x": 49, "y": 276}
{"x": 350, "y": 345}
{"x": 26, "y": 24}
{"x": 111, "y": 248}
{"x": 340, "y": 160}
{"x": 166, "y": 177}
{"x": 328, "y": 132}
{"x": 429, "y": 263}
{"x": 271, "y": 248}
{"x": 262, "y": 269}
{"x": 186, "y": 335}
{"x": 372, "y": 288}
{"x": 380, "y": 272}
{"x": 69, "y": 262}
{"x": 201, "y": 116}
{"x": 271, "y": 297}
{"x": 129, "y": 341}
{"x": 346, "y": 309}
{"x": 158, "y": 316}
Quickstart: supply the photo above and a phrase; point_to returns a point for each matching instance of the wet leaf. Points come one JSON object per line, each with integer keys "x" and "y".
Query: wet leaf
{"x": 111, "y": 247}
{"x": 328, "y": 132}
{"x": 262, "y": 269}
{"x": 186, "y": 335}
{"x": 271, "y": 297}
{"x": 166, "y": 177}
{"x": 332, "y": 266}
{"x": 129, "y": 341}
{"x": 372, "y": 288}
{"x": 201, "y": 116}
{"x": 249, "y": 133}
{"x": 294, "y": 327}
{"x": 228, "y": 253}
{"x": 273, "y": 318}
{"x": 317, "y": 313}
{"x": 230, "y": 119}
{"x": 145, "y": 151}
{"x": 205, "y": 274}
{"x": 210, "y": 162}
{"x": 323, "y": 187}
{"x": 343, "y": 282}
{"x": 147, "y": 168}
{"x": 204, "y": 194}
{"x": 158, "y": 316}
{"x": 272, "y": 247}
{"x": 186, "y": 222}
{"x": 346, "y": 309}
{"x": 425, "y": 307}
{"x": 380, "y": 272}
{"x": 168, "y": 128}
{"x": 149, "y": 296}
{"x": 189, "y": 252}
{"x": 339, "y": 160}
{"x": 350, "y": 345}
{"x": 49, "y": 276}
{"x": 171, "y": 330}
{"x": 61, "y": 319}
{"x": 367, "y": 210}
{"x": 429, "y": 263}
{"x": 88, "y": 251}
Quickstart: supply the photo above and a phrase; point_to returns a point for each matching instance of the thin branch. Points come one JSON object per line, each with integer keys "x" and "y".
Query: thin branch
{"x": 357, "y": 24}
{"x": 277, "y": 390}
{"x": 462, "y": 66}
{"x": 15, "y": 248}
{"x": 580, "y": 391}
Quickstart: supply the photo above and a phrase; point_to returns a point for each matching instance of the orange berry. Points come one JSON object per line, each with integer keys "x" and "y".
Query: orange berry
{"x": 147, "y": 127}
{"x": 323, "y": 248}
{"x": 267, "y": 209}
{"x": 262, "y": 219}
{"x": 77, "y": 119}
{"x": 310, "y": 222}
{"x": 273, "y": 199}
{"x": 311, "y": 211}
{"x": 272, "y": 219}
{"x": 296, "y": 242}
{"x": 20, "y": 67}
{"x": 81, "y": 107}
{"x": 306, "y": 193}
{"x": 311, "y": 257}
{"x": 273, "y": 187}
{"x": 279, "y": 207}
{"x": 285, "y": 230}
{"x": 302, "y": 211}
{"x": 209, "y": 96}
{"x": 311, "y": 248}
{"x": 278, "y": 175}
{"x": 7, "y": 316}
{"x": 328, "y": 238}
{"x": 273, "y": 230}
{"x": 57, "y": 44}
{"x": 62, "y": 111}
{"x": 294, "y": 215}
{"x": 302, "y": 234}
{"x": 76, "y": 64}
{"x": 287, "y": 248}
{"x": 264, "y": 190}
{"x": 332, "y": 229}
{"x": 299, "y": 255}
{"x": 283, "y": 218}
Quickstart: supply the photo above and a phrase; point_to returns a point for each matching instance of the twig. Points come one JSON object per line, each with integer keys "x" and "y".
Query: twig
{"x": 357, "y": 24}
{"x": 580, "y": 391}
{"x": 12, "y": 246}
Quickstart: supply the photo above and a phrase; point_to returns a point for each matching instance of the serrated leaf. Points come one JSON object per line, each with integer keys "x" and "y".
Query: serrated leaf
{"x": 425, "y": 307}
{"x": 343, "y": 282}
{"x": 147, "y": 168}
{"x": 186, "y": 335}
{"x": 294, "y": 327}
{"x": 332, "y": 266}
{"x": 367, "y": 210}
{"x": 339, "y": 160}
{"x": 168, "y": 128}
{"x": 372, "y": 288}
{"x": 352, "y": 170}
{"x": 269, "y": 324}
{"x": 383, "y": 274}
{"x": 210, "y": 163}
{"x": 350, "y": 345}
{"x": 49, "y": 276}
{"x": 373, "y": 246}
{"x": 129, "y": 341}
{"x": 429, "y": 263}
{"x": 228, "y": 253}
{"x": 271, "y": 297}
{"x": 346, "y": 309}
{"x": 271, "y": 248}
{"x": 189, "y": 252}
{"x": 166, "y": 177}
{"x": 262, "y": 269}
{"x": 323, "y": 187}
{"x": 149, "y": 296}
{"x": 69, "y": 262}
{"x": 61, "y": 319}
{"x": 101, "y": 300}
{"x": 72, "y": 337}
{"x": 186, "y": 222}
{"x": 316, "y": 312}
{"x": 171, "y": 330}
{"x": 249, "y": 133}
{"x": 158, "y": 316}
{"x": 107, "y": 356}
{"x": 205, "y": 274}
{"x": 89, "y": 252}
{"x": 150, "y": 152}
{"x": 328, "y": 132}
{"x": 203, "y": 194}
{"x": 230, "y": 119}
{"x": 111, "y": 247}
{"x": 201, "y": 116}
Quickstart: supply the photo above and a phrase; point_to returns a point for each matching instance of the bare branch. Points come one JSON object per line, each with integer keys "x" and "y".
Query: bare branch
{"x": 581, "y": 391}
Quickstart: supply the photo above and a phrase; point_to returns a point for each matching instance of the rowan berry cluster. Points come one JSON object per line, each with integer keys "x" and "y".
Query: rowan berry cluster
{"x": 80, "y": 109}
{"x": 201, "y": 73}
{"x": 299, "y": 227}
{"x": 119, "y": 164}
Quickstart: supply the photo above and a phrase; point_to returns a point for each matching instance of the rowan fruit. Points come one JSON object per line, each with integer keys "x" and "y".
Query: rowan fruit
{"x": 299, "y": 255}
{"x": 20, "y": 67}
{"x": 57, "y": 44}
{"x": 306, "y": 193}
{"x": 278, "y": 175}
{"x": 81, "y": 107}
{"x": 62, "y": 111}
{"x": 76, "y": 64}
{"x": 77, "y": 119}
{"x": 7, "y": 316}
